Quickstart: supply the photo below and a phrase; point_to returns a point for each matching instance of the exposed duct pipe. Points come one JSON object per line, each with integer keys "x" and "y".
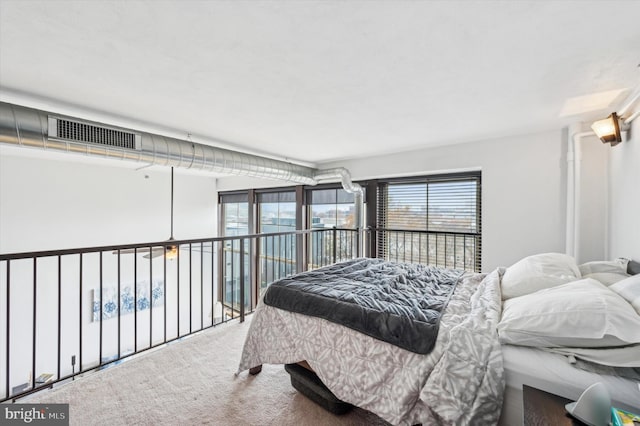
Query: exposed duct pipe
{"x": 29, "y": 127}
{"x": 33, "y": 128}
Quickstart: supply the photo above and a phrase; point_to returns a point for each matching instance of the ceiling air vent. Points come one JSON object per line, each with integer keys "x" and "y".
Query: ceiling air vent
{"x": 88, "y": 133}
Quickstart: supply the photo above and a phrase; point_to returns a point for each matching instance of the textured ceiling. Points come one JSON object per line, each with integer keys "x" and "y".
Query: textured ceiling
{"x": 318, "y": 81}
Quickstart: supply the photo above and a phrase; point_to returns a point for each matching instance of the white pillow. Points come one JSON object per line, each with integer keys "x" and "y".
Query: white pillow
{"x": 607, "y": 272}
{"x": 582, "y": 313}
{"x": 537, "y": 272}
{"x": 629, "y": 288}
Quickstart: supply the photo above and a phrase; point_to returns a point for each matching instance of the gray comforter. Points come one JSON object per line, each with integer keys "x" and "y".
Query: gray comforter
{"x": 397, "y": 303}
{"x": 459, "y": 382}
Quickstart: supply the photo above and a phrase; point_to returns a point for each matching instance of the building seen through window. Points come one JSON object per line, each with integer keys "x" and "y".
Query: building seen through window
{"x": 277, "y": 213}
{"x": 433, "y": 220}
{"x": 235, "y": 222}
{"x": 329, "y": 208}
{"x": 236, "y": 219}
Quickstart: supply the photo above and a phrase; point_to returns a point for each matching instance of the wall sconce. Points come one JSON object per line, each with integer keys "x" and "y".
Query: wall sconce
{"x": 608, "y": 129}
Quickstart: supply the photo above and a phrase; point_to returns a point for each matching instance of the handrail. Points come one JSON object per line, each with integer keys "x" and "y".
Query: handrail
{"x": 456, "y": 249}
{"x": 232, "y": 287}
{"x": 165, "y": 243}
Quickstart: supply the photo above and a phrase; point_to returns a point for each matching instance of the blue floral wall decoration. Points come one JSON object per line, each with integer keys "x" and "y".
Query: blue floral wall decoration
{"x": 127, "y": 301}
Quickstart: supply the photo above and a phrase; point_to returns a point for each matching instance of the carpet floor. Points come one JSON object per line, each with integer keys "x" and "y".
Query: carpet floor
{"x": 192, "y": 382}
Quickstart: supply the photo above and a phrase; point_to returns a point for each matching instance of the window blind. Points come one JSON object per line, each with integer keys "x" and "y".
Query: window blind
{"x": 329, "y": 196}
{"x": 277, "y": 197}
{"x": 432, "y": 206}
{"x": 446, "y": 207}
{"x": 233, "y": 197}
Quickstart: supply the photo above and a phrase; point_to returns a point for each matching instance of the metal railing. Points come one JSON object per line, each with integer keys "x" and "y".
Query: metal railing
{"x": 458, "y": 250}
{"x": 325, "y": 248}
{"x": 68, "y": 312}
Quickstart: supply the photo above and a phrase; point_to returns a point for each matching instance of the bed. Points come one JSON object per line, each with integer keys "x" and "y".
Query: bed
{"x": 568, "y": 371}
{"x": 462, "y": 380}
{"x": 459, "y": 381}
{"x": 553, "y": 373}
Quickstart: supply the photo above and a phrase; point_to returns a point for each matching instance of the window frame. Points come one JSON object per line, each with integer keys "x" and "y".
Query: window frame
{"x": 379, "y": 246}
{"x": 291, "y": 255}
{"x": 372, "y": 211}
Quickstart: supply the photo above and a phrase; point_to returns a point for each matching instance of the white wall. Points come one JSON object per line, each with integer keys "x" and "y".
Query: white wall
{"x": 624, "y": 196}
{"x": 58, "y": 202}
{"x": 523, "y": 188}
{"x": 47, "y": 204}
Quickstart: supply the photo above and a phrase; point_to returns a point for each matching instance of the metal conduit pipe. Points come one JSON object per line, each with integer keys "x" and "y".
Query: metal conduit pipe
{"x": 28, "y": 127}
{"x": 574, "y": 189}
{"x": 629, "y": 102}
{"x": 632, "y": 117}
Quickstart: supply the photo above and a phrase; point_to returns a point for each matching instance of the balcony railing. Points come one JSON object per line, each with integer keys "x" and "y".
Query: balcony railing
{"x": 458, "y": 250}
{"x": 68, "y": 312}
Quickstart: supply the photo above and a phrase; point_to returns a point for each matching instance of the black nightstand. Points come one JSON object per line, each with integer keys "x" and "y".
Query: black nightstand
{"x": 545, "y": 409}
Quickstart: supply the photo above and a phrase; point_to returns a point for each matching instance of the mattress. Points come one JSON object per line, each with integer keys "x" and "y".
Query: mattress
{"x": 397, "y": 303}
{"x": 460, "y": 380}
{"x": 553, "y": 373}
